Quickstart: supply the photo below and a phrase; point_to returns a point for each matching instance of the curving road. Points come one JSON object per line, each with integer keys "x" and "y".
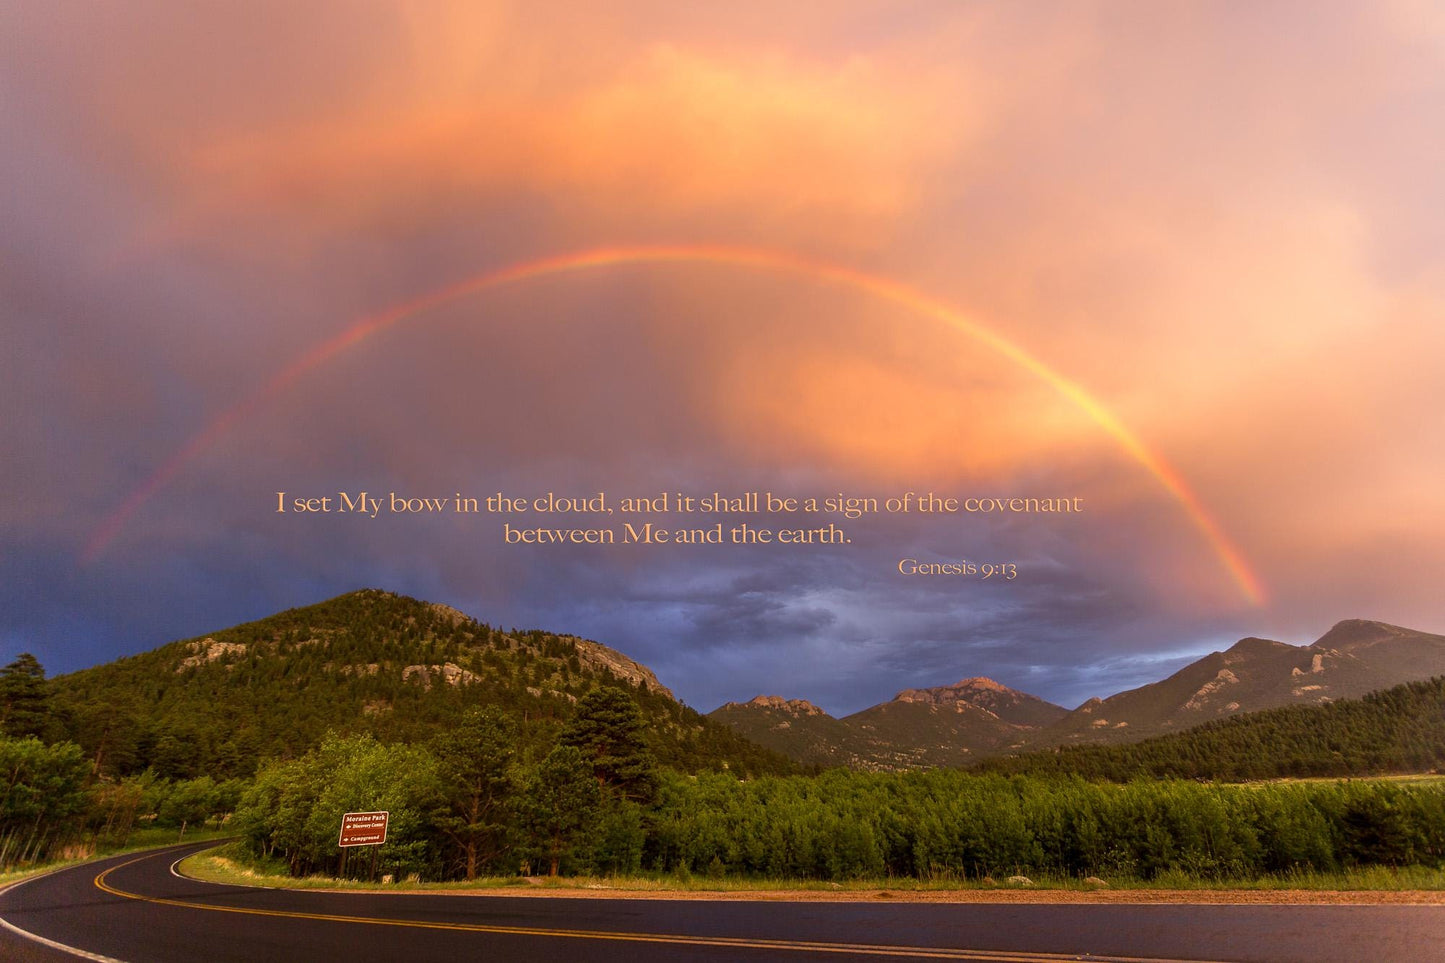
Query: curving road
{"x": 136, "y": 909}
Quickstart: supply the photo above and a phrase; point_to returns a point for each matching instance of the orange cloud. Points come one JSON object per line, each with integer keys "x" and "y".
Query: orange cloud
{"x": 881, "y": 419}
{"x": 816, "y": 151}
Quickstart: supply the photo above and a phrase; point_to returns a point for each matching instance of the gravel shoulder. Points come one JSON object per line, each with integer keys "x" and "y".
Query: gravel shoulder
{"x": 210, "y": 866}
{"x": 1121, "y": 896}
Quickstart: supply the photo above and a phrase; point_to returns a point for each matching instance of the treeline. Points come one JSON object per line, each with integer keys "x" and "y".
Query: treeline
{"x": 952, "y": 824}
{"x": 1401, "y": 729}
{"x": 55, "y": 799}
{"x": 554, "y": 816}
{"x": 52, "y": 805}
{"x": 467, "y": 803}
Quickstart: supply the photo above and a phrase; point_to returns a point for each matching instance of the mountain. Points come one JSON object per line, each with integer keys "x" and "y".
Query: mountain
{"x": 976, "y": 718}
{"x": 1008, "y": 705}
{"x": 1351, "y": 659}
{"x": 369, "y": 661}
{"x": 944, "y": 726}
{"x": 911, "y": 735}
{"x": 1395, "y": 730}
{"x": 798, "y": 729}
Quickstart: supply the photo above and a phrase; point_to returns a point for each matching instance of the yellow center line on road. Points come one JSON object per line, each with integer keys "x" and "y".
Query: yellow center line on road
{"x": 730, "y": 942}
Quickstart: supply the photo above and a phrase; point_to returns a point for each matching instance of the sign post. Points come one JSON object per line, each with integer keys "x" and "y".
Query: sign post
{"x": 362, "y": 829}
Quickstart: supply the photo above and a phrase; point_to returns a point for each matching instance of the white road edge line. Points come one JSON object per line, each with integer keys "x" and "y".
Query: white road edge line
{"x": 176, "y": 872}
{"x": 35, "y": 937}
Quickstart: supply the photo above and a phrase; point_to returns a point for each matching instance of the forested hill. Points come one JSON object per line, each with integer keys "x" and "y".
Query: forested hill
{"x": 1401, "y": 729}
{"x": 368, "y": 661}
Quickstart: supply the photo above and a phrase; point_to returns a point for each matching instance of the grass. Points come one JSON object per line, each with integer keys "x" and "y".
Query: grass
{"x": 139, "y": 839}
{"x": 230, "y": 864}
{"x": 1407, "y": 778}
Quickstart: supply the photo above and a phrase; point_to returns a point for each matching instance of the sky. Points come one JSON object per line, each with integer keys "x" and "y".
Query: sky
{"x": 1184, "y": 262}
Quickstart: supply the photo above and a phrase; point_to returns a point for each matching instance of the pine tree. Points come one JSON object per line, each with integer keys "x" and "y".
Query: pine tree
{"x": 476, "y": 761}
{"x": 561, "y": 799}
{"x": 608, "y": 730}
{"x": 24, "y": 706}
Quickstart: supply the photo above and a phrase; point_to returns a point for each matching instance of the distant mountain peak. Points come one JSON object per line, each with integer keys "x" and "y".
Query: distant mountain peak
{"x": 982, "y": 682}
{"x": 957, "y": 692}
{"x": 797, "y": 707}
{"x": 1358, "y": 633}
{"x": 994, "y": 698}
{"x": 1355, "y": 625}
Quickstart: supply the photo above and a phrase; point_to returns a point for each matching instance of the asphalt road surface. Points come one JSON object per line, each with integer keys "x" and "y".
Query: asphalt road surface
{"x": 135, "y": 908}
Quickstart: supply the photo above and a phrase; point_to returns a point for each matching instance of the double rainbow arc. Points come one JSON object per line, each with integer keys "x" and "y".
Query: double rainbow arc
{"x": 777, "y": 261}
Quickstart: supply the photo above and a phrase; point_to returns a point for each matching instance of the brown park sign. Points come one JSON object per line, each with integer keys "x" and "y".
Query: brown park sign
{"x": 363, "y": 829}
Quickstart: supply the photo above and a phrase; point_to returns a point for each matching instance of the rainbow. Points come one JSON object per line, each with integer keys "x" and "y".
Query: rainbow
{"x": 777, "y": 261}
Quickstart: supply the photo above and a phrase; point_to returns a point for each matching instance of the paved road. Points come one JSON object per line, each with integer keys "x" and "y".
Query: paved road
{"x": 134, "y": 908}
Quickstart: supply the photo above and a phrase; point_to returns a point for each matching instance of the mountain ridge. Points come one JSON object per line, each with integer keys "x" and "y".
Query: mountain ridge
{"x": 399, "y": 667}
{"x": 1354, "y": 657}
